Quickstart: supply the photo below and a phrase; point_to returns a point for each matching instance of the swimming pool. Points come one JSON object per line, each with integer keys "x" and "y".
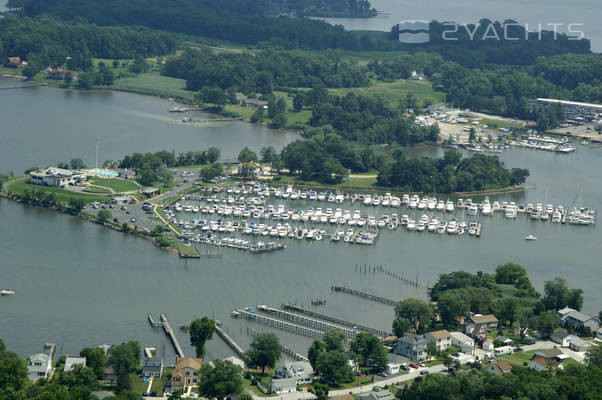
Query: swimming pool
{"x": 104, "y": 172}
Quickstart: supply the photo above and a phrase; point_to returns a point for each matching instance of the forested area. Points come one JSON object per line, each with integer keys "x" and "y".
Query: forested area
{"x": 449, "y": 174}
{"x": 47, "y": 40}
{"x": 262, "y": 71}
{"x": 323, "y": 8}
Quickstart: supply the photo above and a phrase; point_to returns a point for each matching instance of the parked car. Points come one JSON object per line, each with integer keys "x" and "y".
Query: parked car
{"x": 133, "y": 220}
{"x": 383, "y": 374}
{"x": 518, "y": 349}
{"x": 404, "y": 367}
{"x": 115, "y": 219}
{"x": 531, "y": 342}
{"x": 414, "y": 365}
{"x": 456, "y": 355}
{"x": 424, "y": 372}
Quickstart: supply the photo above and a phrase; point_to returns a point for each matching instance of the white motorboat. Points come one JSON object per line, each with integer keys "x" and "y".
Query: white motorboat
{"x": 530, "y": 237}
{"x": 7, "y": 292}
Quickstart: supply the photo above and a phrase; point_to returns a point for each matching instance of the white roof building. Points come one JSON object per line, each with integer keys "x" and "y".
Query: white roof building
{"x": 39, "y": 366}
{"x": 299, "y": 370}
{"x": 56, "y": 177}
{"x": 70, "y": 362}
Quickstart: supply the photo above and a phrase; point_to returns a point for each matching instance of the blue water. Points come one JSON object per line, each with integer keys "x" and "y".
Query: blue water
{"x": 104, "y": 172}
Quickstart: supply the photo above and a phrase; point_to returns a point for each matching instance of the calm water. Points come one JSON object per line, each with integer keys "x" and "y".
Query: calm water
{"x": 81, "y": 285}
{"x": 586, "y": 12}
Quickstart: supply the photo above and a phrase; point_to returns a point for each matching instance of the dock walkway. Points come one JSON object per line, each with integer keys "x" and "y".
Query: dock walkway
{"x": 229, "y": 341}
{"x": 378, "y": 299}
{"x": 172, "y": 336}
{"x": 336, "y": 320}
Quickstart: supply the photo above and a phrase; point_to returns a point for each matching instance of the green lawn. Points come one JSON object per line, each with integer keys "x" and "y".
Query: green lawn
{"x": 138, "y": 384}
{"x": 97, "y": 189}
{"x": 365, "y": 380}
{"x": 19, "y": 186}
{"x": 518, "y": 358}
{"x": 10, "y": 71}
{"x": 496, "y": 123}
{"x": 152, "y": 83}
{"x": 359, "y": 183}
{"x": 118, "y": 185}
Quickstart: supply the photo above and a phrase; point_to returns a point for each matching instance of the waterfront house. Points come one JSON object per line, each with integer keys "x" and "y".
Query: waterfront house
{"x": 255, "y": 103}
{"x": 465, "y": 343}
{"x": 56, "y": 177}
{"x": 301, "y": 371}
{"x": 39, "y": 366}
{"x": 288, "y": 385}
{"x": 411, "y": 346}
{"x": 477, "y": 326}
{"x": 499, "y": 368}
{"x": 14, "y": 62}
{"x": 152, "y": 367}
{"x": 185, "y": 372}
{"x": 578, "y": 344}
{"x": 109, "y": 375}
{"x": 60, "y": 74}
{"x": 561, "y": 337}
{"x": 577, "y": 320}
{"x": 442, "y": 339}
{"x": 377, "y": 394}
{"x": 70, "y": 362}
{"x": 504, "y": 340}
{"x": 126, "y": 174}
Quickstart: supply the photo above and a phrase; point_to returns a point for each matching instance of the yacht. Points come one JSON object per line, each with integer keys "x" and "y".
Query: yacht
{"x": 486, "y": 209}
{"x": 530, "y": 237}
{"x": 452, "y": 226}
{"x": 449, "y": 206}
{"x": 510, "y": 213}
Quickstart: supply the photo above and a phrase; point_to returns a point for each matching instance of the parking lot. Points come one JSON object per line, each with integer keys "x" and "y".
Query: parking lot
{"x": 132, "y": 214}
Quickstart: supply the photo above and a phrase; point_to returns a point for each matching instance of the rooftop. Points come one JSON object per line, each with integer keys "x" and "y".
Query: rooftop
{"x": 70, "y": 362}
{"x": 443, "y": 333}
{"x": 483, "y": 319}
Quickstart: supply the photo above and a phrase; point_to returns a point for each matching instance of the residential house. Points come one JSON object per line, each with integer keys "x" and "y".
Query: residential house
{"x": 301, "y": 371}
{"x": 70, "y": 362}
{"x": 60, "y": 74}
{"x": 343, "y": 397}
{"x": 578, "y": 344}
{"x": 578, "y": 320}
{"x": 465, "y": 343}
{"x": 488, "y": 345}
{"x": 544, "y": 359}
{"x": 561, "y": 337}
{"x": 56, "y": 177}
{"x": 14, "y": 62}
{"x": 152, "y": 367}
{"x": 39, "y": 366}
{"x": 185, "y": 372}
{"x": 126, "y": 174}
{"x": 288, "y": 385}
{"x": 377, "y": 394}
{"x": 442, "y": 339}
{"x": 477, "y": 326}
{"x": 499, "y": 368}
{"x": 109, "y": 375}
{"x": 255, "y": 103}
{"x": 411, "y": 346}
{"x": 504, "y": 340}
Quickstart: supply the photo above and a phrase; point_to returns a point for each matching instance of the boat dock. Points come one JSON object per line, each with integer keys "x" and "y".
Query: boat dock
{"x": 277, "y": 323}
{"x": 335, "y": 320}
{"x": 307, "y": 321}
{"x": 49, "y": 348}
{"x": 172, "y": 335}
{"x": 286, "y": 350}
{"x": 154, "y": 324}
{"x": 229, "y": 341}
{"x": 378, "y": 299}
{"x": 479, "y": 226}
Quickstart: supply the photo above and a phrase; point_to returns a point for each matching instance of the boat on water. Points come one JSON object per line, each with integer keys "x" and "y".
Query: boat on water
{"x": 530, "y": 237}
{"x": 7, "y": 292}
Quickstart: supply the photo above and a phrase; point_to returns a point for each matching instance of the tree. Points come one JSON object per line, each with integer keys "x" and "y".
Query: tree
{"x": 431, "y": 349}
{"x": 104, "y": 216}
{"x": 68, "y": 79}
{"x": 77, "y": 204}
{"x": 139, "y": 65}
{"x": 453, "y": 304}
{"x": 95, "y": 359}
{"x": 13, "y": 372}
{"x": 79, "y": 376}
{"x": 594, "y": 356}
{"x": 213, "y": 154}
{"x": 507, "y": 309}
{"x": 201, "y": 330}
{"x": 401, "y": 326}
{"x": 557, "y": 295}
{"x": 278, "y": 121}
{"x": 509, "y": 273}
{"x": 124, "y": 382}
{"x": 317, "y": 347}
{"x": 299, "y": 101}
{"x": 115, "y": 63}
{"x": 209, "y": 172}
{"x": 333, "y": 340}
{"x": 86, "y": 79}
{"x": 105, "y": 76}
{"x": 77, "y": 163}
{"x": 546, "y": 323}
{"x": 263, "y": 351}
{"x": 320, "y": 390}
{"x": 471, "y": 135}
{"x": 258, "y": 115}
{"x": 247, "y": 155}
{"x": 333, "y": 367}
{"x": 370, "y": 351}
{"x": 416, "y": 311}
{"x": 268, "y": 154}
{"x": 125, "y": 358}
{"x": 221, "y": 380}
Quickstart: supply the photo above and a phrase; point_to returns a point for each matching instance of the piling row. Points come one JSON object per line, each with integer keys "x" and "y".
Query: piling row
{"x": 334, "y": 319}
{"x": 378, "y": 299}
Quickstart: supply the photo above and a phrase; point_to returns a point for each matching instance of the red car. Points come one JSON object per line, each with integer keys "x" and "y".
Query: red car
{"x": 414, "y": 366}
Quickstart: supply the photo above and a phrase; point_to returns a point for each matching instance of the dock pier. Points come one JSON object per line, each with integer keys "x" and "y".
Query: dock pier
{"x": 229, "y": 341}
{"x": 172, "y": 335}
{"x": 154, "y": 324}
{"x": 335, "y": 320}
{"x": 479, "y": 227}
{"x": 50, "y": 347}
{"x": 286, "y": 350}
{"x": 307, "y": 321}
{"x": 378, "y": 299}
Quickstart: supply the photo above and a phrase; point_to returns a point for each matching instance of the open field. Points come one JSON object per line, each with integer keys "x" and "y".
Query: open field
{"x": 19, "y": 186}
{"x": 357, "y": 182}
{"x": 518, "y": 358}
{"x": 118, "y": 185}
{"x": 152, "y": 83}
{"x": 395, "y": 91}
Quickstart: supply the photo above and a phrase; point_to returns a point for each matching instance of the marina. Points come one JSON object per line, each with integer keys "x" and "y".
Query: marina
{"x": 167, "y": 328}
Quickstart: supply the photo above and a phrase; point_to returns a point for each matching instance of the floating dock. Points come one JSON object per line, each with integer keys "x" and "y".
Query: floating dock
{"x": 229, "y": 341}
{"x": 378, "y": 299}
{"x": 306, "y": 321}
{"x": 335, "y": 320}
{"x": 172, "y": 335}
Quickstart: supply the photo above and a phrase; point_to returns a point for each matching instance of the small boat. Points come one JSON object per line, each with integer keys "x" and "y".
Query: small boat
{"x": 7, "y": 292}
{"x": 530, "y": 237}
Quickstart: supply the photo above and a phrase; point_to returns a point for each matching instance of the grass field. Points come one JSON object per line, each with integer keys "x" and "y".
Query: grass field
{"x": 10, "y": 71}
{"x": 97, "y": 189}
{"x": 394, "y": 91}
{"x": 360, "y": 183}
{"x": 518, "y": 358}
{"x": 152, "y": 83}
{"x": 118, "y": 185}
{"x": 19, "y": 186}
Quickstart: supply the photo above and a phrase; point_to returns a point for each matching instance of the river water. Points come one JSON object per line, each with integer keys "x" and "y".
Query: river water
{"x": 470, "y": 11}
{"x": 78, "y": 284}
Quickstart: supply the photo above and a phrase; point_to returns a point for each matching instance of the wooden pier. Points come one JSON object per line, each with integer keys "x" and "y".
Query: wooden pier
{"x": 50, "y": 348}
{"x": 479, "y": 227}
{"x": 284, "y": 325}
{"x": 229, "y": 341}
{"x": 172, "y": 335}
{"x": 378, "y": 299}
{"x": 335, "y": 320}
{"x": 306, "y": 321}
{"x": 286, "y": 350}
{"x": 154, "y": 324}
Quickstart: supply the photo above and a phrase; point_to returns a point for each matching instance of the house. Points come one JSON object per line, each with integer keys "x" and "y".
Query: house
{"x": 70, "y": 362}
{"x": 343, "y": 397}
{"x": 14, "y": 62}
{"x": 442, "y": 339}
{"x": 109, "y": 375}
{"x": 563, "y": 313}
{"x": 540, "y": 363}
{"x": 377, "y": 394}
{"x": 255, "y": 103}
{"x": 599, "y": 334}
{"x": 185, "y": 372}
{"x": 60, "y": 73}
{"x": 477, "y": 326}
{"x": 56, "y": 177}
{"x": 488, "y": 345}
{"x": 288, "y": 385}
{"x": 39, "y": 366}
{"x": 578, "y": 320}
{"x": 411, "y": 346}
{"x": 561, "y": 337}
{"x": 152, "y": 367}
{"x": 126, "y": 174}
{"x": 578, "y": 344}
{"x": 499, "y": 368}
{"x": 301, "y": 371}
{"x": 465, "y": 343}
{"x": 149, "y": 191}
{"x": 504, "y": 340}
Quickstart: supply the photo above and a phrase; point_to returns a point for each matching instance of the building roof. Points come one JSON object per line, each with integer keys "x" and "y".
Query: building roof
{"x": 560, "y": 334}
{"x": 500, "y": 367}
{"x": 14, "y": 60}
{"x": 550, "y": 353}
{"x": 579, "y": 316}
{"x": 189, "y": 362}
{"x": 441, "y": 334}
{"x": 343, "y": 397}
{"x": 412, "y": 338}
{"x": 284, "y": 383}
{"x": 461, "y": 337}
{"x": 70, "y": 362}
{"x": 40, "y": 356}
{"x": 483, "y": 319}
{"x": 577, "y": 341}
{"x": 544, "y": 361}
{"x": 149, "y": 190}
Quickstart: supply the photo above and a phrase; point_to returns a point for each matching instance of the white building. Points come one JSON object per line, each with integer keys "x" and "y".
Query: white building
{"x": 39, "y": 366}
{"x": 301, "y": 371}
{"x": 284, "y": 385}
{"x": 442, "y": 339}
{"x": 464, "y": 342}
{"x": 56, "y": 177}
{"x": 70, "y": 362}
{"x": 393, "y": 368}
